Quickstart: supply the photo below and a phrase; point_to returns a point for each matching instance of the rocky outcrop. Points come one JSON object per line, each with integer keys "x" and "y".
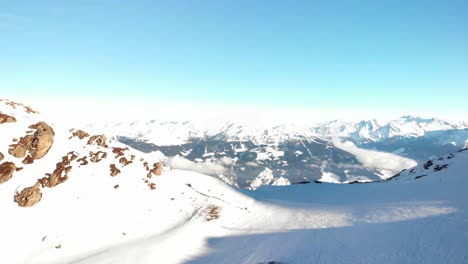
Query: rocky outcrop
{"x": 119, "y": 152}
{"x": 1, "y": 156}
{"x": 6, "y": 171}
{"x": 79, "y": 134}
{"x": 37, "y": 143}
{"x": 157, "y": 169}
{"x": 82, "y": 161}
{"x": 113, "y": 170}
{"x": 28, "y": 159}
{"x": 6, "y": 118}
{"x": 97, "y": 156}
{"x": 14, "y": 105}
{"x": 99, "y": 140}
{"x": 60, "y": 174}
{"x": 29, "y": 196}
{"x": 124, "y": 161}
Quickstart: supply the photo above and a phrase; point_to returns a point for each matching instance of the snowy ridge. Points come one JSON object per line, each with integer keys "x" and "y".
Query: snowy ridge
{"x": 176, "y": 133}
{"x": 93, "y": 217}
{"x": 372, "y": 130}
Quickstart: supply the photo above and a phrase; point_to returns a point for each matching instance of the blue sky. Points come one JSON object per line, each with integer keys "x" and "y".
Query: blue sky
{"x": 405, "y": 55}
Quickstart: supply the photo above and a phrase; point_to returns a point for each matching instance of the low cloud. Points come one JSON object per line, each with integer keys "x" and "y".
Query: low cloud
{"x": 204, "y": 167}
{"x": 376, "y": 159}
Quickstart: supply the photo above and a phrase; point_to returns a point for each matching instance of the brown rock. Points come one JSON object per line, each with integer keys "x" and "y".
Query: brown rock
{"x": 98, "y": 156}
{"x": 42, "y": 141}
{"x": 119, "y": 151}
{"x": 114, "y": 171}
{"x": 6, "y": 171}
{"x": 72, "y": 155}
{"x": 29, "y": 196}
{"x": 157, "y": 169}
{"x": 28, "y": 160}
{"x": 99, "y": 140}
{"x": 37, "y": 144}
{"x": 79, "y": 134}
{"x": 116, "y": 186}
{"x": 1, "y": 156}
{"x": 124, "y": 161}
{"x": 18, "y": 150}
{"x": 6, "y": 118}
{"x": 82, "y": 161}
{"x": 60, "y": 174}
{"x": 27, "y": 109}
{"x": 152, "y": 185}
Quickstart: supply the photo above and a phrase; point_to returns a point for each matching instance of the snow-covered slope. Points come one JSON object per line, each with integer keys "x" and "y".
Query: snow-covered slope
{"x": 92, "y": 217}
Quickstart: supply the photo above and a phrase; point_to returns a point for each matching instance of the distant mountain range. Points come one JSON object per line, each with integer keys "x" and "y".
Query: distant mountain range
{"x": 372, "y": 131}
{"x": 250, "y": 155}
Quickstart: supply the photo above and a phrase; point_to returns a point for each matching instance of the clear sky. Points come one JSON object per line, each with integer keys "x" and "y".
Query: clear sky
{"x": 410, "y": 56}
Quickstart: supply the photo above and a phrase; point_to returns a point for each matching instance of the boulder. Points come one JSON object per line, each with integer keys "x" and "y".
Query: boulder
{"x": 157, "y": 169}
{"x": 124, "y": 161}
{"x": 6, "y": 118}
{"x": 6, "y": 171}
{"x": 29, "y": 196}
{"x": 99, "y": 140}
{"x": 113, "y": 170}
{"x": 79, "y": 134}
{"x": 98, "y": 156}
{"x": 42, "y": 141}
{"x": 37, "y": 142}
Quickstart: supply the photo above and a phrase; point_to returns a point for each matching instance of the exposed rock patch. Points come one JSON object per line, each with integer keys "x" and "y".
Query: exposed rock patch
{"x": 28, "y": 159}
{"x": 428, "y": 164}
{"x": 6, "y": 118}
{"x": 14, "y": 105}
{"x": 99, "y": 140}
{"x": 98, "y": 156}
{"x": 29, "y": 196}
{"x": 6, "y": 171}
{"x": 82, "y": 161}
{"x": 212, "y": 212}
{"x": 37, "y": 142}
{"x": 1, "y": 156}
{"x": 157, "y": 169}
{"x": 60, "y": 174}
{"x": 440, "y": 167}
{"x": 79, "y": 134}
{"x": 72, "y": 155}
{"x": 119, "y": 152}
{"x": 124, "y": 161}
{"x": 113, "y": 170}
